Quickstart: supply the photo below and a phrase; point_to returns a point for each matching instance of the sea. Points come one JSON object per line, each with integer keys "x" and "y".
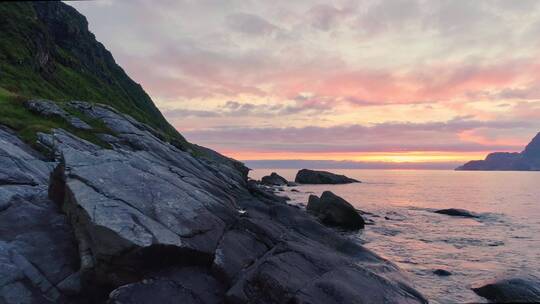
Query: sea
{"x": 503, "y": 240}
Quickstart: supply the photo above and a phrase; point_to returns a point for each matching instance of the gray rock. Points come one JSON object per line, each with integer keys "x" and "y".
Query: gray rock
{"x": 333, "y": 210}
{"x": 51, "y": 109}
{"x": 520, "y": 289}
{"x": 153, "y": 223}
{"x": 457, "y": 212}
{"x": 306, "y": 176}
{"x": 274, "y": 179}
{"x": 37, "y": 248}
{"x": 298, "y": 271}
{"x": 132, "y": 203}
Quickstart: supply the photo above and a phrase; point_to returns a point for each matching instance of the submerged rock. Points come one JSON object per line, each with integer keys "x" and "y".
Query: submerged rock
{"x": 274, "y": 180}
{"x": 522, "y": 289}
{"x": 442, "y": 272}
{"x": 306, "y": 176}
{"x": 333, "y": 210}
{"x": 457, "y": 212}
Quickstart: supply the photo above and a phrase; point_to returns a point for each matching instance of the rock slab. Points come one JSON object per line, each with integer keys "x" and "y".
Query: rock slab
{"x": 521, "y": 289}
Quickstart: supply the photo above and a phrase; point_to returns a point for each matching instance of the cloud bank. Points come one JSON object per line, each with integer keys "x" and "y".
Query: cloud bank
{"x": 343, "y": 76}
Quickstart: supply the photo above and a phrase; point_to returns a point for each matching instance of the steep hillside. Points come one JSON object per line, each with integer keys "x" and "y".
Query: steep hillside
{"x": 48, "y": 52}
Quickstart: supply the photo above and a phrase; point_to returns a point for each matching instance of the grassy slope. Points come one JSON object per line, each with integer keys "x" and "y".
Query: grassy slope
{"x": 46, "y": 51}
{"x": 14, "y": 115}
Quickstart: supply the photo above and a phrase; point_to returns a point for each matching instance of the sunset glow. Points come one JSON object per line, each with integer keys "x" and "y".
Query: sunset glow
{"x": 409, "y": 156}
{"x": 390, "y": 81}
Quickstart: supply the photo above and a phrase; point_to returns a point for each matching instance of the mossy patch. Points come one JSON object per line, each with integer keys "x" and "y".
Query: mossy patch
{"x": 27, "y": 124}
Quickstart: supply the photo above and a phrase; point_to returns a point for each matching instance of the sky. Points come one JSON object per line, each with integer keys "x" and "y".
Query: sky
{"x": 395, "y": 82}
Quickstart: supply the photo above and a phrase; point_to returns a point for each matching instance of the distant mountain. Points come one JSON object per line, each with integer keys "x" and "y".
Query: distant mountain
{"x": 528, "y": 160}
{"x": 48, "y": 52}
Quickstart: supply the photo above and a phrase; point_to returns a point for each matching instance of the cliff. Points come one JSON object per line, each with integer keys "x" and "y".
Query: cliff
{"x": 528, "y": 160}
{"x": 48, "y": 52}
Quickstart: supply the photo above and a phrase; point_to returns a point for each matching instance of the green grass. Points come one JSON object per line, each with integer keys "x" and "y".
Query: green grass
{"x": 54, "y": 56}
{"x": 27, "y": 124}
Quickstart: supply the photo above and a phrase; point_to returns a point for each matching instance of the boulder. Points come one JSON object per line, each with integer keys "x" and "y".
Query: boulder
{"x": 442, "y": 272}
{"x": 274, "y": 180}
{"x": 456, "y": 212}
{"x": 333, "y": 210}
{"x": 306, "y": 176}
{"x": 520, "y": 289}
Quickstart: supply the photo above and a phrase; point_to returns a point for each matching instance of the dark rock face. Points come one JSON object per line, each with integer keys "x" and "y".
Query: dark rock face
{"x": 333, "y": 210}
{"x": 187, "y": 285}
{"x": 528, "y": 160}
{"x": 457, "y": 212}
{"x": 274, "y": 180}
{"x": 306, "y": 176}
{"x": 144, "y": 222}
{"x": 442, "y": 272}
{"x": 525, "y": 289}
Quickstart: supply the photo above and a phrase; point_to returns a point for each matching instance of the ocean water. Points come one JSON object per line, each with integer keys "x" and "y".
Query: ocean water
{"x": 505, "y": 239}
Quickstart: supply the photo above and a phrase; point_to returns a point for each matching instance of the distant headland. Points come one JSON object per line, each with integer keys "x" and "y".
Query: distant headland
{"x": 528, "y": 160}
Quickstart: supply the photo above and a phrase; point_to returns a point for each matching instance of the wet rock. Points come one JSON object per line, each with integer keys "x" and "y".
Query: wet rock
{"x": 274, "y": 180}
{"x": 457, "y": 212}
{"x": 442, "y": 272}
{"x": 306, "y": 176}
{"x": 521, "y": 289}
{"x": 333, "y": 210}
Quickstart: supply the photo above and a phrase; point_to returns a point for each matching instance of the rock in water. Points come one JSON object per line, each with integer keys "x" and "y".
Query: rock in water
{"x": 442, "y": 272}
{"x": 333, "y": 210}
{"x": 457, "y": 212}
{"x": 306, "y": 176}
{"x": 523, "y": 289}
{"x": 274, "y": 180}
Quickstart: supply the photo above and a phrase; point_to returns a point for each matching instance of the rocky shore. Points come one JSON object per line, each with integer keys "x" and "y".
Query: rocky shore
{"x": 136, "y": 218}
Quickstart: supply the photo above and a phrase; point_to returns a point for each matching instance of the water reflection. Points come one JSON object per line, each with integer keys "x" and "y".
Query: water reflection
{"x": 505, "y": 238}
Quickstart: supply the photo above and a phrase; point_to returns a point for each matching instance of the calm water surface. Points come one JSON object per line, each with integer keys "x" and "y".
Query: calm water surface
{"x": 504, "y": 240}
